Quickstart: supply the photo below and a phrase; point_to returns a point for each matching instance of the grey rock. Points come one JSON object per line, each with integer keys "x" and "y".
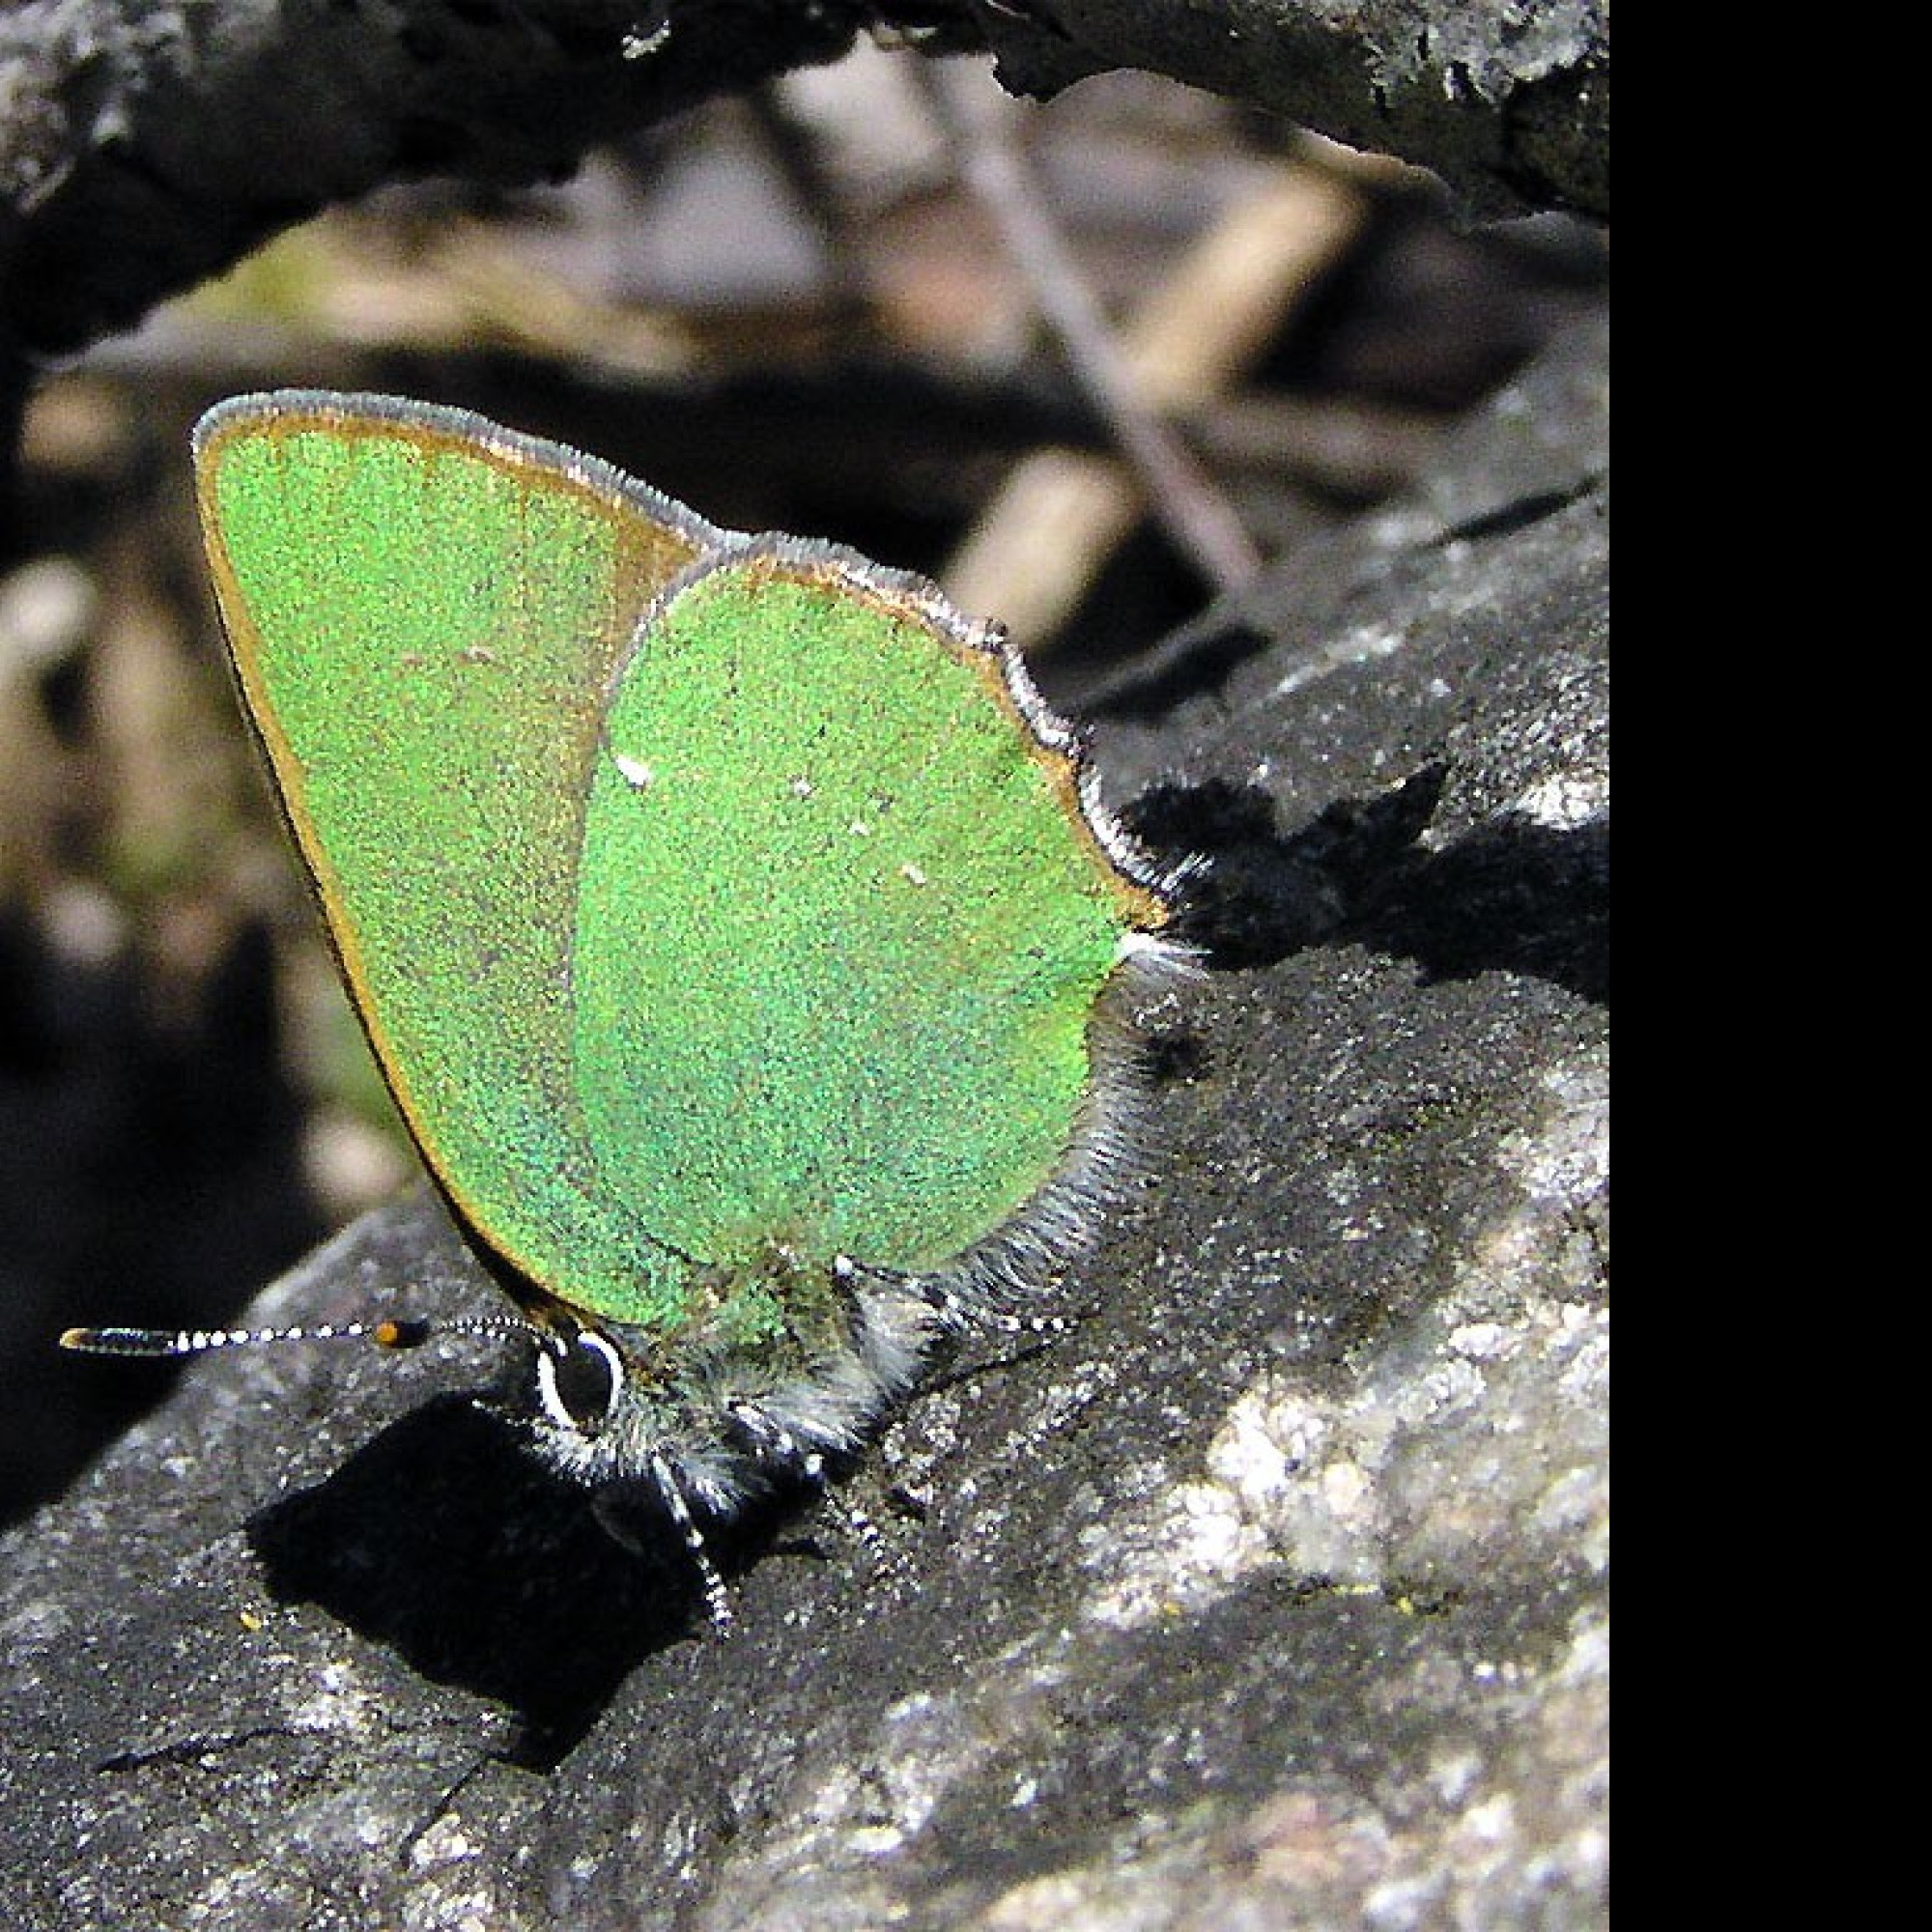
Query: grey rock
{"x": 1272, "y": 1594}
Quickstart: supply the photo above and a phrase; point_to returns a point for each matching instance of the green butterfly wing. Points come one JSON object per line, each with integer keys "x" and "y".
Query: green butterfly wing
{"x": 425, "y": 613}
{"x": 843, "y": 921}
{"x": 701, "y": 897}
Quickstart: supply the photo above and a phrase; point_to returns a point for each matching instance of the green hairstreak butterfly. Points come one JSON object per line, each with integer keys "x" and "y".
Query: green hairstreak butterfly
{"x": 741, "y": 936}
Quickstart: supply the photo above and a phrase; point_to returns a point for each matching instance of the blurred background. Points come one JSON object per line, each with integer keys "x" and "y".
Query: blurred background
{"x": 862, "y": 305}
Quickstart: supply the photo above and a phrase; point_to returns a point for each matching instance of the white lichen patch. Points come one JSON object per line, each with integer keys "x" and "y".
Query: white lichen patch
{"x": 331, "y": 1700}
{"x": 444, "y": 1842}
{"x": 1564, "y": 801}
{"x": 1363, "y": 644}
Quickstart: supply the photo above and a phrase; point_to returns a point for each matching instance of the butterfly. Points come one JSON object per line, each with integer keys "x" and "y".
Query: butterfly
{"x": 741, "y": 936}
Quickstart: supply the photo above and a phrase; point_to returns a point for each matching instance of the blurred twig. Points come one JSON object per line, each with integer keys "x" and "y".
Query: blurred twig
{"x": 1061, "y": 514}
{"x": 1198, "y": 519}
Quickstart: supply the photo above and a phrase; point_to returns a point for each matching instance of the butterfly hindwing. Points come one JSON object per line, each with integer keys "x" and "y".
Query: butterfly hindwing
{"x": 841, "y": 926}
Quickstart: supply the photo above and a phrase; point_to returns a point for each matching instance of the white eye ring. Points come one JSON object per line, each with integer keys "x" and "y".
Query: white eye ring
{"x": 550, "y": 1395}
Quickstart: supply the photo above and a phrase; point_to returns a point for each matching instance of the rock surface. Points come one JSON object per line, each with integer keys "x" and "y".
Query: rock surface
{"x": 1274, "y": 1594}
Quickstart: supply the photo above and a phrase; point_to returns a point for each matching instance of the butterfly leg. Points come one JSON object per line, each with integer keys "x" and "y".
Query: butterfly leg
{"x": 977, "y": 1310}
{"x": 717, "y": 1597}
{"x": 806, "y": 1466}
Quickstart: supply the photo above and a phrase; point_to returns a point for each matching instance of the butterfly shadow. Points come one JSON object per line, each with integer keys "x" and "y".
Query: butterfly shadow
{"x": 445, "y": 1541}
{"x": 1510, "y": 895}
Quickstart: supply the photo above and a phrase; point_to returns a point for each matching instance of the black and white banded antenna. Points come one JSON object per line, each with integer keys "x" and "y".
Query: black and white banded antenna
{"x": 388, "y": 1332}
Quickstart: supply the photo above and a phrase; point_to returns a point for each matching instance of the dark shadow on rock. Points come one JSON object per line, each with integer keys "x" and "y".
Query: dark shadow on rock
{"x": 1512, "y": 895}
{"x": 1263, "y": 897}
{"x": 1192, "y": 659}
{"x": 1519, "y": 513}
{"x": 447, "y": 1540}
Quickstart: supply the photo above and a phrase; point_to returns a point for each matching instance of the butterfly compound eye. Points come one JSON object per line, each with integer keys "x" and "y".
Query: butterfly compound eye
{"x": 580, "y": 1380}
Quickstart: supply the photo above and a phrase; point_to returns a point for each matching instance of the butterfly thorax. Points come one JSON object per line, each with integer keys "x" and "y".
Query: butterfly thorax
{"x": 774, "y": 1313}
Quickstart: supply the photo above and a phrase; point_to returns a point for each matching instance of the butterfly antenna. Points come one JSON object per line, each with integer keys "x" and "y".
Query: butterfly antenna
{"x": 389, "y": 1332}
